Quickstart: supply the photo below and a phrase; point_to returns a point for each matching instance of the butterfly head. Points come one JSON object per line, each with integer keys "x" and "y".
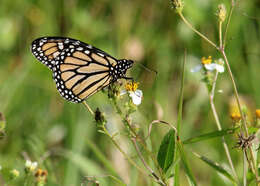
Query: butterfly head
{"x": 121, "y": 67}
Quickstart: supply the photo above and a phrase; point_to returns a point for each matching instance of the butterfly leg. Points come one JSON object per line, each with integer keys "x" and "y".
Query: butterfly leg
{"x": 129, "y": 78}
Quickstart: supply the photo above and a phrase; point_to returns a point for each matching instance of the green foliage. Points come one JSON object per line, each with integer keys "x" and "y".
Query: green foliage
{"x": 166, "y": 152}
{"x": 62, "y": 137}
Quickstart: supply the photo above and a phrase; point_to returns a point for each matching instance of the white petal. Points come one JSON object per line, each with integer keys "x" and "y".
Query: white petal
{"x": 28, "y": 163}
{"x": 34, "y": 165}
{"x": 196, "y": 68}
{"x": 211, "y": 66}
{"x": 214, "y": 66}
{"x": 220, "y": 68}
{"x": 136, "y": 96}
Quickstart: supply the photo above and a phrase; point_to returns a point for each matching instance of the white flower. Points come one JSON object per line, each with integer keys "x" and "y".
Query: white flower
{"x": 215, "y": 66}
{"x": 209, "y": 67}
{"x": 136, "y": 96}
{"x": 30, "y": 166}
{"x": 0, "y": 167}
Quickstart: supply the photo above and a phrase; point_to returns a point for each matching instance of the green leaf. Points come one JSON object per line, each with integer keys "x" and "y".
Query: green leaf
{"x": 187, "y": 169}
{"x": 179, "y": 121}
{"x": 210, "y": 135}
{"x": 216, "y": 166}
{"x": 252, "y": 130}
{"x": 166, "y": 151}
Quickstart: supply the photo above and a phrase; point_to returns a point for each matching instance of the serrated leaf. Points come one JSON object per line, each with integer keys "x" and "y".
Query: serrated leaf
{"x": 210, "y": 135}
{"x": 166, "y": 151}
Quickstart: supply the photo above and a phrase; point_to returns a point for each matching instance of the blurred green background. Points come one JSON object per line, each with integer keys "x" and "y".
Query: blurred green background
{"x": 62, "y": 136}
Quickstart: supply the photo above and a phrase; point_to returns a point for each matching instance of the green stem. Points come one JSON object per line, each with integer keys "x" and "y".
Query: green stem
{"x": 135, "y": 135}
{"x": 213, "y": 108}
{"x": 244, "y": 168}
{"x": 220, "y": 34}
{"x": 229, "y": 18}
{"x": 196, "y": 31}
{"x": 241, "y": 112}
{"x": 124, "y": 154}
{"x": 157, "y": 179}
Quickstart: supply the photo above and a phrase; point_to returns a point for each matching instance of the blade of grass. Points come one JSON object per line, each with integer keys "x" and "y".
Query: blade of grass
{"x": 187, "y": 169}
{"x": 87, "y": 166}
{"x": 101, "y": 157}
{"x": 217, "y": 167}
{"x": 210, "y": 135}
{"x": 179, "y": 120}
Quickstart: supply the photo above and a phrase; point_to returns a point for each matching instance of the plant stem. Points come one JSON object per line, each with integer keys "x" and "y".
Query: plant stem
{"x": 227, "y": 25}
{"x": 213, "y": 108}
{"x": 121, "y": 150}
{"x": 196, "y": 31}
{"x": 116, "y": 144}
{"x": 135, "y": 135}
{"x": 158, "y": 180}
{"x": 241, "y": 112}
{"x": 220, "y": 34}
{"x": 244, "y": 168}
{"x": 88, "y": 107}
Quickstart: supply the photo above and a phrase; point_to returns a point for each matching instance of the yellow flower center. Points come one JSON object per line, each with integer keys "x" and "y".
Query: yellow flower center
{"x": 132, "y": 86}
{"x": 205, "y": 61}
{"x": 257, "y": 113}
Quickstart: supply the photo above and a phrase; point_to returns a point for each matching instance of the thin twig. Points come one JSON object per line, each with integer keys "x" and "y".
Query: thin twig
{"x": 121, "y": 150}
{"x": 241, "y": 113}
{"x": 213, "y": 108}
{"x": 158, "y": 180}
{"x": 220, "y": 34}
{"x": 135, "y": 135}
{"x": 227, "y": 25}
{"x": 158, "y": 121}
{"x": 196, "y": 31}
{"x": 88, "y": 107}
{"x": 244, "y": 168}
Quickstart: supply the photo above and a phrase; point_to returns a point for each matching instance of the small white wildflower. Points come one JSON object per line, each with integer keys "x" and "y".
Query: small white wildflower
{"x": 30, "y": 166}
{"x": 0, "y": 167}
{"x": 214, "y": 66}
{"x": 217, "y": 65}
{"x": 136, "y": 96}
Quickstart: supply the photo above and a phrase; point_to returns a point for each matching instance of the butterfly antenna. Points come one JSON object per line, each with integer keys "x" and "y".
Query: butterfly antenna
{"x": 148, "y": 69}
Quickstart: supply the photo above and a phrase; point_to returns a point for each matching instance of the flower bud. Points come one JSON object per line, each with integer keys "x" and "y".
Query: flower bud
{"x": 257, "y": 113}
{"x": 14, "y": 174}
{"x": 221, "y": 13}
{"x": 177, "y": 5}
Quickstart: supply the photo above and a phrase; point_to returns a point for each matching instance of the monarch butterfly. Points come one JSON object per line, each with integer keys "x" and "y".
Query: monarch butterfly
{"x": 79, "y": 69}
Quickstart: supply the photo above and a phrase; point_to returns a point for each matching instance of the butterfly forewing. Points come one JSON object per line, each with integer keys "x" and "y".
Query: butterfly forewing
{"x": 79, "y": 69}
